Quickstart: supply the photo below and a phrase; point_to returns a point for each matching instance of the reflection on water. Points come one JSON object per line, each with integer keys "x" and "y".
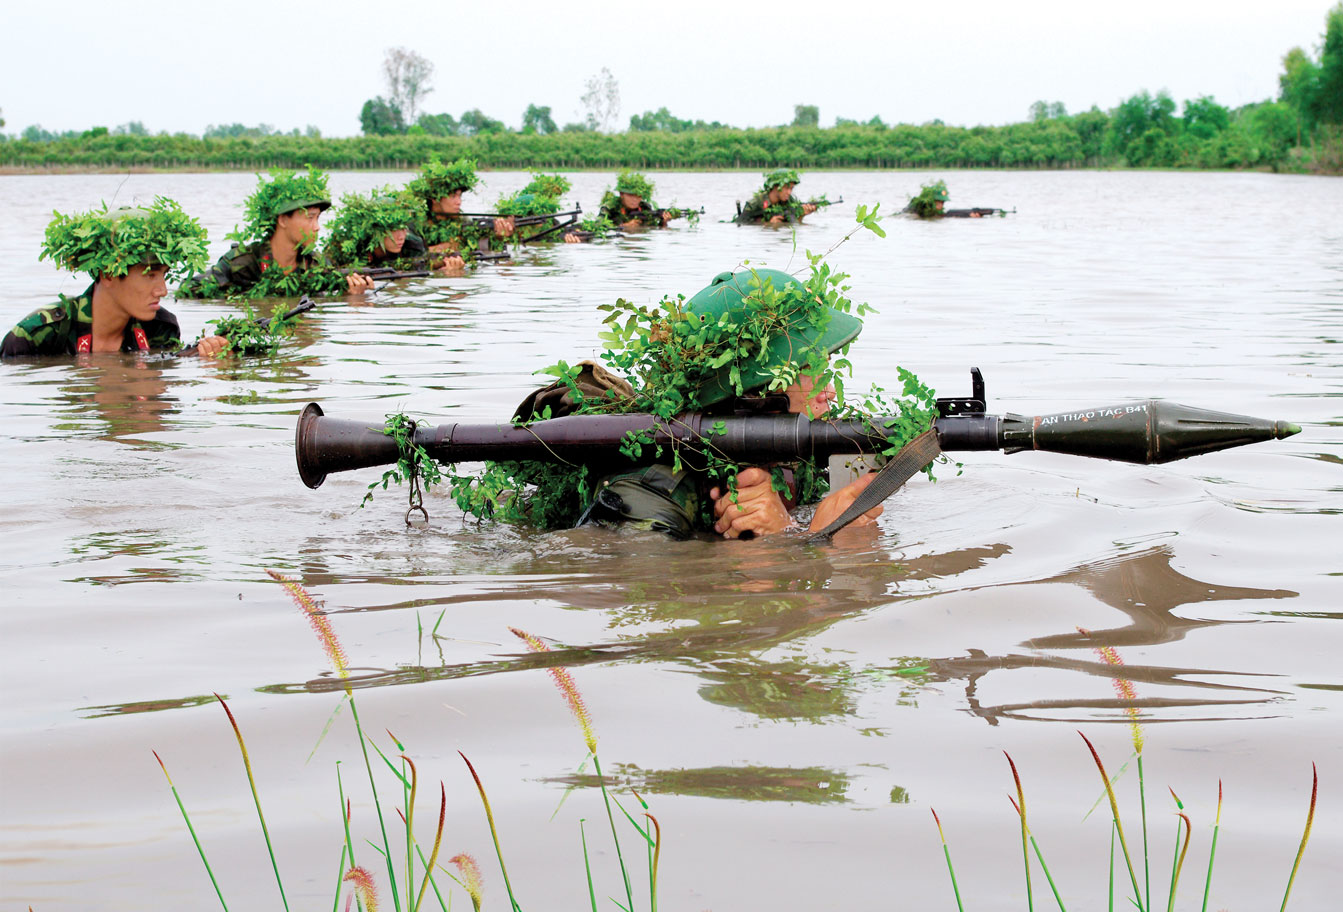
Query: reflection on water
{"x": 736, "y": 670}
{"x": 115, "y": 397}
{"x": 811, "y": 785}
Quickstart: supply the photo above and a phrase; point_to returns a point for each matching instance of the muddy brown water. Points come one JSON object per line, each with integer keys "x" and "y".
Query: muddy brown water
{"x": 790, "y": 712}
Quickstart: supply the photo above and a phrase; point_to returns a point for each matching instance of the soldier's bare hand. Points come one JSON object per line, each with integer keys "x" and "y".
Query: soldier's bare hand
{"x": 503, "y": 227}
{"x": 358, "y": 284}
{"x": 776, "y": 220}
{"x": 453, "y": 266}
{"x": 572, "y": 239}
{"x": 808, "y": 208}
{"x": 212, "y": 346}
{"x": 836, "y": 502}
{"x": 758, "y": 508}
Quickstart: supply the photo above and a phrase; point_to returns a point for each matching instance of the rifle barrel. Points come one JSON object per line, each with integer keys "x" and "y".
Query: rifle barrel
{"x": 1145, "y": 433}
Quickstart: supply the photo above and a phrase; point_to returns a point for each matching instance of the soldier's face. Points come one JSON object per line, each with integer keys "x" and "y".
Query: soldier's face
{"x": 300, "y": 226}
{"x": 139, "y": 291}
{"x": 805, "y": 398}
{"x": 631, "y": 200}
{"x": 394, "y": 241}
{"x": 448, "y": 205}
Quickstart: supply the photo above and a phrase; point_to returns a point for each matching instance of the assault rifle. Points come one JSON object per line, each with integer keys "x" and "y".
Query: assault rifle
{"x": 304, "y": 305}
{"x": 1145, "y": 433}
{"x": 973, "y": 213}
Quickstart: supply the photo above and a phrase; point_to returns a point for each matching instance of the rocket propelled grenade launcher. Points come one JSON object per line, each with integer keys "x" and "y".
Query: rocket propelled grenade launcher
{"x": 1145, "y": 433}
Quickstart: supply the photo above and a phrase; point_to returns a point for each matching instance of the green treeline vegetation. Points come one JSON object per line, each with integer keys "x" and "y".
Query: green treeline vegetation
{"x": 1300, "y": 130}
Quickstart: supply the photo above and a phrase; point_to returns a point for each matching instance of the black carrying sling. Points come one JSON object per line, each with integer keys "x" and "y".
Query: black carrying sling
{"x": 912, "y": 457}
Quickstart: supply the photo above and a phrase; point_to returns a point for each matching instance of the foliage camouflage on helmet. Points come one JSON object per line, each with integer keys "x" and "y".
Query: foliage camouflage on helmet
{"x": 781, "y": 178}
{"x": 745, "y": 331}
{"x": 540, "y": 197}
{"x": 635, "y": 183}
{"x": 925, "y": 203}
{"x": 437, "y": 180}
{"x": 111, "y": 243}
{"x": 362, "y": 222}
{"x": 285, "y": 192}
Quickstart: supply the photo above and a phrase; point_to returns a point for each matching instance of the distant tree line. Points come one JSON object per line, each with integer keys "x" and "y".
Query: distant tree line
{"x": 1302, "y": 128}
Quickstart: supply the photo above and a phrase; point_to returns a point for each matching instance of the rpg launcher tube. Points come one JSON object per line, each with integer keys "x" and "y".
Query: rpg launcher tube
{"x": 1142, "y": 432}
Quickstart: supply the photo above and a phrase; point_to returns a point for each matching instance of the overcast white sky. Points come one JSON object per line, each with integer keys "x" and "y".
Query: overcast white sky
{"x": 183, "y": 64}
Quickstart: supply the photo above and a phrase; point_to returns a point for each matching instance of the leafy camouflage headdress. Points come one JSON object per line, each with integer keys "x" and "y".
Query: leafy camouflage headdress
{"x": 362, "y": 222}
{"x": 636, "y": 183}
{"x": 437, "y": 180}
{"x": 285, "y": 192}
{"x": 111, "y": 243}
{"x": 540, "y": 197}
{"x": 929, "y": 194}
{"x": 780, "y": 178}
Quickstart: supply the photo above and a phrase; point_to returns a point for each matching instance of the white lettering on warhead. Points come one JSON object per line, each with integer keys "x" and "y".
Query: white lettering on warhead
{"x": 1115, "y": 412}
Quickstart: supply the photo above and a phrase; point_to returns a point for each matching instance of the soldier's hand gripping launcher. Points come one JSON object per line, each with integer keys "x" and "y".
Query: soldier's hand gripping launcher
{"x": 1145, "y": 433}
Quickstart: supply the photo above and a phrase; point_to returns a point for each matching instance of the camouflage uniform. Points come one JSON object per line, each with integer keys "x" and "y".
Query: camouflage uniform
{"x": 65, "y": 327}
{"x": 414, "y": 253}
{"x": 757, "y": 209}
{"x": 242, "y": 267}
{"x": 465, "y": 232}
{"x": 646, "y": 214}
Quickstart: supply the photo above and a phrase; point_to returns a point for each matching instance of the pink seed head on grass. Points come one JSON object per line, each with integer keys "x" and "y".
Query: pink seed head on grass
{"x": 470, "y": 877}
{"x": 1123, "y": 688}
{"x": 363, "y": 884}
{"x": 565, "y": 682}
{"x": 320, "y": 623}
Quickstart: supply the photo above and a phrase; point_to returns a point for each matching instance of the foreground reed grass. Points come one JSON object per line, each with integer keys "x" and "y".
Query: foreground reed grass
{"x": 358, "y": 883}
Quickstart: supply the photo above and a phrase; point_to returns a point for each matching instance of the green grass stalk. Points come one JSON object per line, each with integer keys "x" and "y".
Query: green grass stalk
{"x": 1146, "y": 857}
{"x": 1040, "y": 856}
{"x": 410, "y": 831}
{"x": 429, "y": 876}
{"x": 386, "y": 846}
{"x": 1175, "y": 854}
{"x": 1111, "y": 905}
{"x": 1119, "y": 827}
{"x": 192, "y": 830}
{"x": 438, "y": 842}
{"x": 1179, "y": 861}
{"x": 494, "y": 832}
{"x": 256, "y": 798}
{"x": 624, "y": 873}
{"x": 946, "y": 852}
{"x": 1020, "y": 805}
{"x": 1212, "y": 853}
{"x": 1305, "y": 837}
{"x": 587, "y": 865}
{"x": 657, "y": 855}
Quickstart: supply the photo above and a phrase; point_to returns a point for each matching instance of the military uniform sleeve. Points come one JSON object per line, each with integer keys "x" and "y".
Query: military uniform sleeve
{"x": 753, "y": 211}
{"x": 235, "y": 272}
{"x": 39, "y": 333}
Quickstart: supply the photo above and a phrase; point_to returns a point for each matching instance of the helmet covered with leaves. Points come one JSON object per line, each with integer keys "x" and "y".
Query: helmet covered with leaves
{"x": 755, "y": 329}
{"x": 925, "y": 203}
{"x": 285, "y": 192}
{"x": 635, "y": 183}
{"x": 110, "y": 243}
{"x": 551, "y": 185}
{"x": 362, "y": 222}
{"x": 781, "y": 178}
{"x": 437, "y": 180}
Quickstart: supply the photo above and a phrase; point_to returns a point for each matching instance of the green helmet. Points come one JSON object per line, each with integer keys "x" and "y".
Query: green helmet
{"x": 437, "y": 180}
{"x": 362, "y": 222}
{"x": 781, "y": 177}
{"x": 738, "y": 298}
{"x": 635, "y": 183}
{"x": 111, "y": 243}
{"x": 285, "y": 192}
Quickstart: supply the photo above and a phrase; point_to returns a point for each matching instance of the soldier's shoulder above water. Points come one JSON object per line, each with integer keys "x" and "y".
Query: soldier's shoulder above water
{"x": 48, "y": 329}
